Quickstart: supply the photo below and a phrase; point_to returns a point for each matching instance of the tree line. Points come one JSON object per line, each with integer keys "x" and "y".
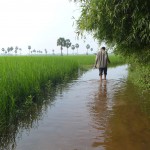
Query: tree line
{"x": 62, "y": 42}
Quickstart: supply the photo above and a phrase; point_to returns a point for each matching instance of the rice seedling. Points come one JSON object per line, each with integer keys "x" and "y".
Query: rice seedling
{"x": 22, "y": 78}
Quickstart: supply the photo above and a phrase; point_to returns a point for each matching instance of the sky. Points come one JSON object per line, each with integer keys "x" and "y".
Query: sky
{"x": 40, "y": 23}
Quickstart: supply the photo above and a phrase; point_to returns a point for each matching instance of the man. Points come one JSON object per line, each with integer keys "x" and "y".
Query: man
{"x": 101, "y": 62}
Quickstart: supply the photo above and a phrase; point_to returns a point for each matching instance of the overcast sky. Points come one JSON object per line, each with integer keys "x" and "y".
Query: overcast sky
{"x": 39, "y": 23}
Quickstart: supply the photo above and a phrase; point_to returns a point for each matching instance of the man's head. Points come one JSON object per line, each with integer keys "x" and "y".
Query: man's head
{"x": 103, "y": 48}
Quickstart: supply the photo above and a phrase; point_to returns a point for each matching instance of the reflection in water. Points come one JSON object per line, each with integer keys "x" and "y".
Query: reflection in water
{"x": 10, "y": 134}
{"x": 101, "y": 110}
{"x": 29, "y": 120}
{"x": 100, "y": 115}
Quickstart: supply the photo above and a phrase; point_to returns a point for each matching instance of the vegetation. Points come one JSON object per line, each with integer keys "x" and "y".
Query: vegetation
{"x": 68, "y": 44}
{"x": 77, "y": 46}
{"x": 62, "y": 43}
{"x": 73, "y": 48}
{"x": 124, "y": 25}
{"x": 87, "y": 47}
{"x": 23, "y": 77}
{"x": 29, "y": 47}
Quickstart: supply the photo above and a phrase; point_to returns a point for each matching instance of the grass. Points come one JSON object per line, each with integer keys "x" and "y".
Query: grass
{"x": 116, "y": 60}
{"x": 23, "y": 77}
{"x": 139, "y": 74}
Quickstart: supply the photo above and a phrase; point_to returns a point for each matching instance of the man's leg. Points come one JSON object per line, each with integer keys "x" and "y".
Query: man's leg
{"x": 100, "y": 73}
{"x": 105, "y": 73}
{"x": 100, "y": 77}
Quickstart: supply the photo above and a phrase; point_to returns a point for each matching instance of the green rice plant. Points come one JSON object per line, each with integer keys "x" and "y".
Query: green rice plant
{"x": 116, "y": 60}
{"x": 23, "y": 77}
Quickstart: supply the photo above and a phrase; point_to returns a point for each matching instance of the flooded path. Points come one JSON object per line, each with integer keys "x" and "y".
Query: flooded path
{"x": 91, "y": 115}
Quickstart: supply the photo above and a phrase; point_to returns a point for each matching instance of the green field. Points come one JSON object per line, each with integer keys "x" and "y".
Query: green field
{"x": 23, "y": 77}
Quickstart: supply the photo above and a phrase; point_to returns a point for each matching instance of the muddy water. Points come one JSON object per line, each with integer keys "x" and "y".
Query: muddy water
{"x": 91, "y": 115}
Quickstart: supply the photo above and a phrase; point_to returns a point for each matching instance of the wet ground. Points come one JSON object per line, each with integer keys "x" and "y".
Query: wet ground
{"x": 91, "y": 115}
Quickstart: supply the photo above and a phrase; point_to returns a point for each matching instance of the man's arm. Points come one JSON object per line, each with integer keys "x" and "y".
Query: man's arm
{"x": 96, "y": 59}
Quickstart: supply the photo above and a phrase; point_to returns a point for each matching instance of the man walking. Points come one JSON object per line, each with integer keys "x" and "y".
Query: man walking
{"x": 101, "y": 62}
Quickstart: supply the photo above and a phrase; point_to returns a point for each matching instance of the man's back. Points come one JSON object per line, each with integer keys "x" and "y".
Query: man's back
{"x": 102, "y": 59}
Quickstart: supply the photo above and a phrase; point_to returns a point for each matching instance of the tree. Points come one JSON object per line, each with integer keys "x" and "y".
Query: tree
{"x": 16, "y": 49}
{"x": 3, "y": 50}
{"x": 68, "y": 44}
{"x": 8, "y": 49}
{"x": 91, "y": 49}
{"x": 20, "y": 50}
{"x": 62, "y": 43}
{"x": 29, "y": 47}
{"x": 45, "y": 51}
{"x": 53, "y": 52}
{"x": 73, "y": 48}
{"x": 34, "y": 51}
{"x": 87, "y": 47}
{"x": 11, "y": 48}
{"x": 77, "y": 46}
{"x": 124, "y": 24}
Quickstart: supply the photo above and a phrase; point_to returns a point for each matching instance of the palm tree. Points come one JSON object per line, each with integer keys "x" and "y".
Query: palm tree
{"x": 29, "y": 47}
{"x": 8, "y": 49}
{"x": 3, "y": 50}
{"x": 73, "y": 47}
{"x": 11, "y": 48}
{"x": 16, "y": 49}
{"x": 77, "y": 46}
{"x": 62, "y": 43}
{"x": 34, "y": 51}
{"x": 45, "y": 51}
{"x": 20, "y": 50}
{"x": 87, "y": 47}
{"x": 68, "y": 44}
{"x": 53, "y": 52}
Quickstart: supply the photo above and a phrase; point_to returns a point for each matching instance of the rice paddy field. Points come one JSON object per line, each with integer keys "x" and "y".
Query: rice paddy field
{"x": 23, "y": 77}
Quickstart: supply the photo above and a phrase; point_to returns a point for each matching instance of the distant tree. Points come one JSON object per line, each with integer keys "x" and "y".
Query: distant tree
{"x": 11, "y": 48}
{"x": 34, "y": 51}
{"x": 62, "y": 43}
{"x": 53, "y": 52}
{"x": 45, "y": 51}
{"x": 91, "y": 49}
{"x": 87, "y": 47}
{"x": 73, "y": 48}
{"x": 77, "y": 46}
{"x": 29, "y": 47}
{"x": 16, "y": 49}
{"x": 8, "y": 49}
{"x": 20, "y": 50}
{"x": 68, "y": 44}
{"x": 3, "y": 50}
